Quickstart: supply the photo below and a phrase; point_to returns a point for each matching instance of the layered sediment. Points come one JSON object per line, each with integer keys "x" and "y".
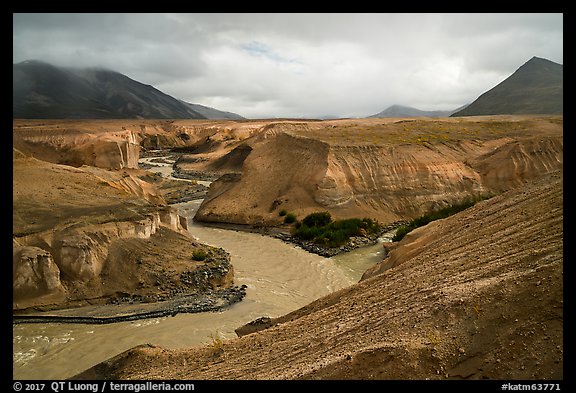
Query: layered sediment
{"x": 478, "y": 295}
{"x": 85, "y": 236}
{"x": 116, "y": 144}
{"x": 391, "y": 172}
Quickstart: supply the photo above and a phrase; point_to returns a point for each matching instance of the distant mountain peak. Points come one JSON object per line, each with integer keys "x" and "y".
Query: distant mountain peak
{"x": 536, "y": 87}
{"x": 407, "y": 111}
{"x": 536, "y": 59}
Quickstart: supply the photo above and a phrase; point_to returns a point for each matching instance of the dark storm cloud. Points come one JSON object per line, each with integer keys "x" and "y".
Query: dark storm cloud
{"x": 140, "y": 45}
{"x": 263, "y": 65}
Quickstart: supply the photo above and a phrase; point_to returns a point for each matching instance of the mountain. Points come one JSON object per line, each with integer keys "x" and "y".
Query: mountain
{"x": 406, "y": 111}
{"x": 534, "y": 88}
{"x": 41, "y": 90}
{"x": 211, "y": 113}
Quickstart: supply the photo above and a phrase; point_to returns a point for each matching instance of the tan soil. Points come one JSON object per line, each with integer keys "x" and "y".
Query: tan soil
{"x": 55, "y": 203}
{"x": 479, "y": 295}
{"x": 385, "y": 169}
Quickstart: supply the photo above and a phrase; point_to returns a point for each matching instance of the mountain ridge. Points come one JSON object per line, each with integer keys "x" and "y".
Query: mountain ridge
{"x": 536, "y": 87}
{"x": 408, "y": 111}
{"x": 42, "y": 90}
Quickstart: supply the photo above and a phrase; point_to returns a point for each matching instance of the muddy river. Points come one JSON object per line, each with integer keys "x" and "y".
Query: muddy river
{"x": 280, "y": 278}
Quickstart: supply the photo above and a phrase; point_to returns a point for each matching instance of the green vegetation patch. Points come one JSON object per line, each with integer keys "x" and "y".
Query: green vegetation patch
{"x": 322, "y": 230}
{"x": 437, "y": 215}
{"x": 289, "y": 218}
{"x": 199, "y": 255}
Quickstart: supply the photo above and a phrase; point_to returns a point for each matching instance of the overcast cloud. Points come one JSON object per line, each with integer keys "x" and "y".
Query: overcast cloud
{"x": 299, "y": 65}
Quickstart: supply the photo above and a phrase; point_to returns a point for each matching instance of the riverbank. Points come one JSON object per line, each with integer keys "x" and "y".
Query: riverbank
{"x": 175, "y": 296}
{"x": 279, "y": 278}
{"x": 200, "y": 286}
{"x": 284, "y": 233}
{"x": 478, "y": 295}
{"x": 194, "y": 303}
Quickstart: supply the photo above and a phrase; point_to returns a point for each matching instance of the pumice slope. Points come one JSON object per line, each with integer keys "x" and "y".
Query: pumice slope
{"x": 478, "y": 295}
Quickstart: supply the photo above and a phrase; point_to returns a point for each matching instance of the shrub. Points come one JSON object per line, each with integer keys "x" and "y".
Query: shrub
{"x": 199, "y": 255}
{"x": 317, "y": 219}
{"x": 436, "y": 215}
{"x": 334, "y": 238}
{"x": 216, "y": 344}
{"x": 289, "y": 218}
{"x": 401, "y": 232}
{"x": 282, "y": 213}
{"x": 319, "y": 228}
{"x": 305, "y": 232}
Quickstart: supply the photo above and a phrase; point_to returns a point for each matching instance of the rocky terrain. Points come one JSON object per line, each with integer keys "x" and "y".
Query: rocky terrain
{"x": 387, "y": 169}
{"x": 478, "y": 295}
{"x": 88, "y": 235}
{"x": 117, "y": 144}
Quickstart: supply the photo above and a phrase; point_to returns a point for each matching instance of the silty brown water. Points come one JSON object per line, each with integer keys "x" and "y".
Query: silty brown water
{"x": 280, "y": 278}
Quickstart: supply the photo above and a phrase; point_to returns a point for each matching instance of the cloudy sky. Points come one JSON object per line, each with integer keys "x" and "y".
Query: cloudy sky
{"x": 299, "y": 65}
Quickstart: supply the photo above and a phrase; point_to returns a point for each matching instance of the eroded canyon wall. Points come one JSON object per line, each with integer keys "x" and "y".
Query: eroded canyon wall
{"x": 67, "y": 225}
{"x": 281, "y": 172}
{"x": 389, "y": 182}
{"x": 53, "y": 266}
{"x": 116, "y": 144}
{"x": 478, "y": 295}
{"x": 76, "y": 147}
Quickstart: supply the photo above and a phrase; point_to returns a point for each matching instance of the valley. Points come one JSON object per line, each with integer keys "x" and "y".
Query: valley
{"x": 133, "y": 240}
{"x": 474, "y": 296}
